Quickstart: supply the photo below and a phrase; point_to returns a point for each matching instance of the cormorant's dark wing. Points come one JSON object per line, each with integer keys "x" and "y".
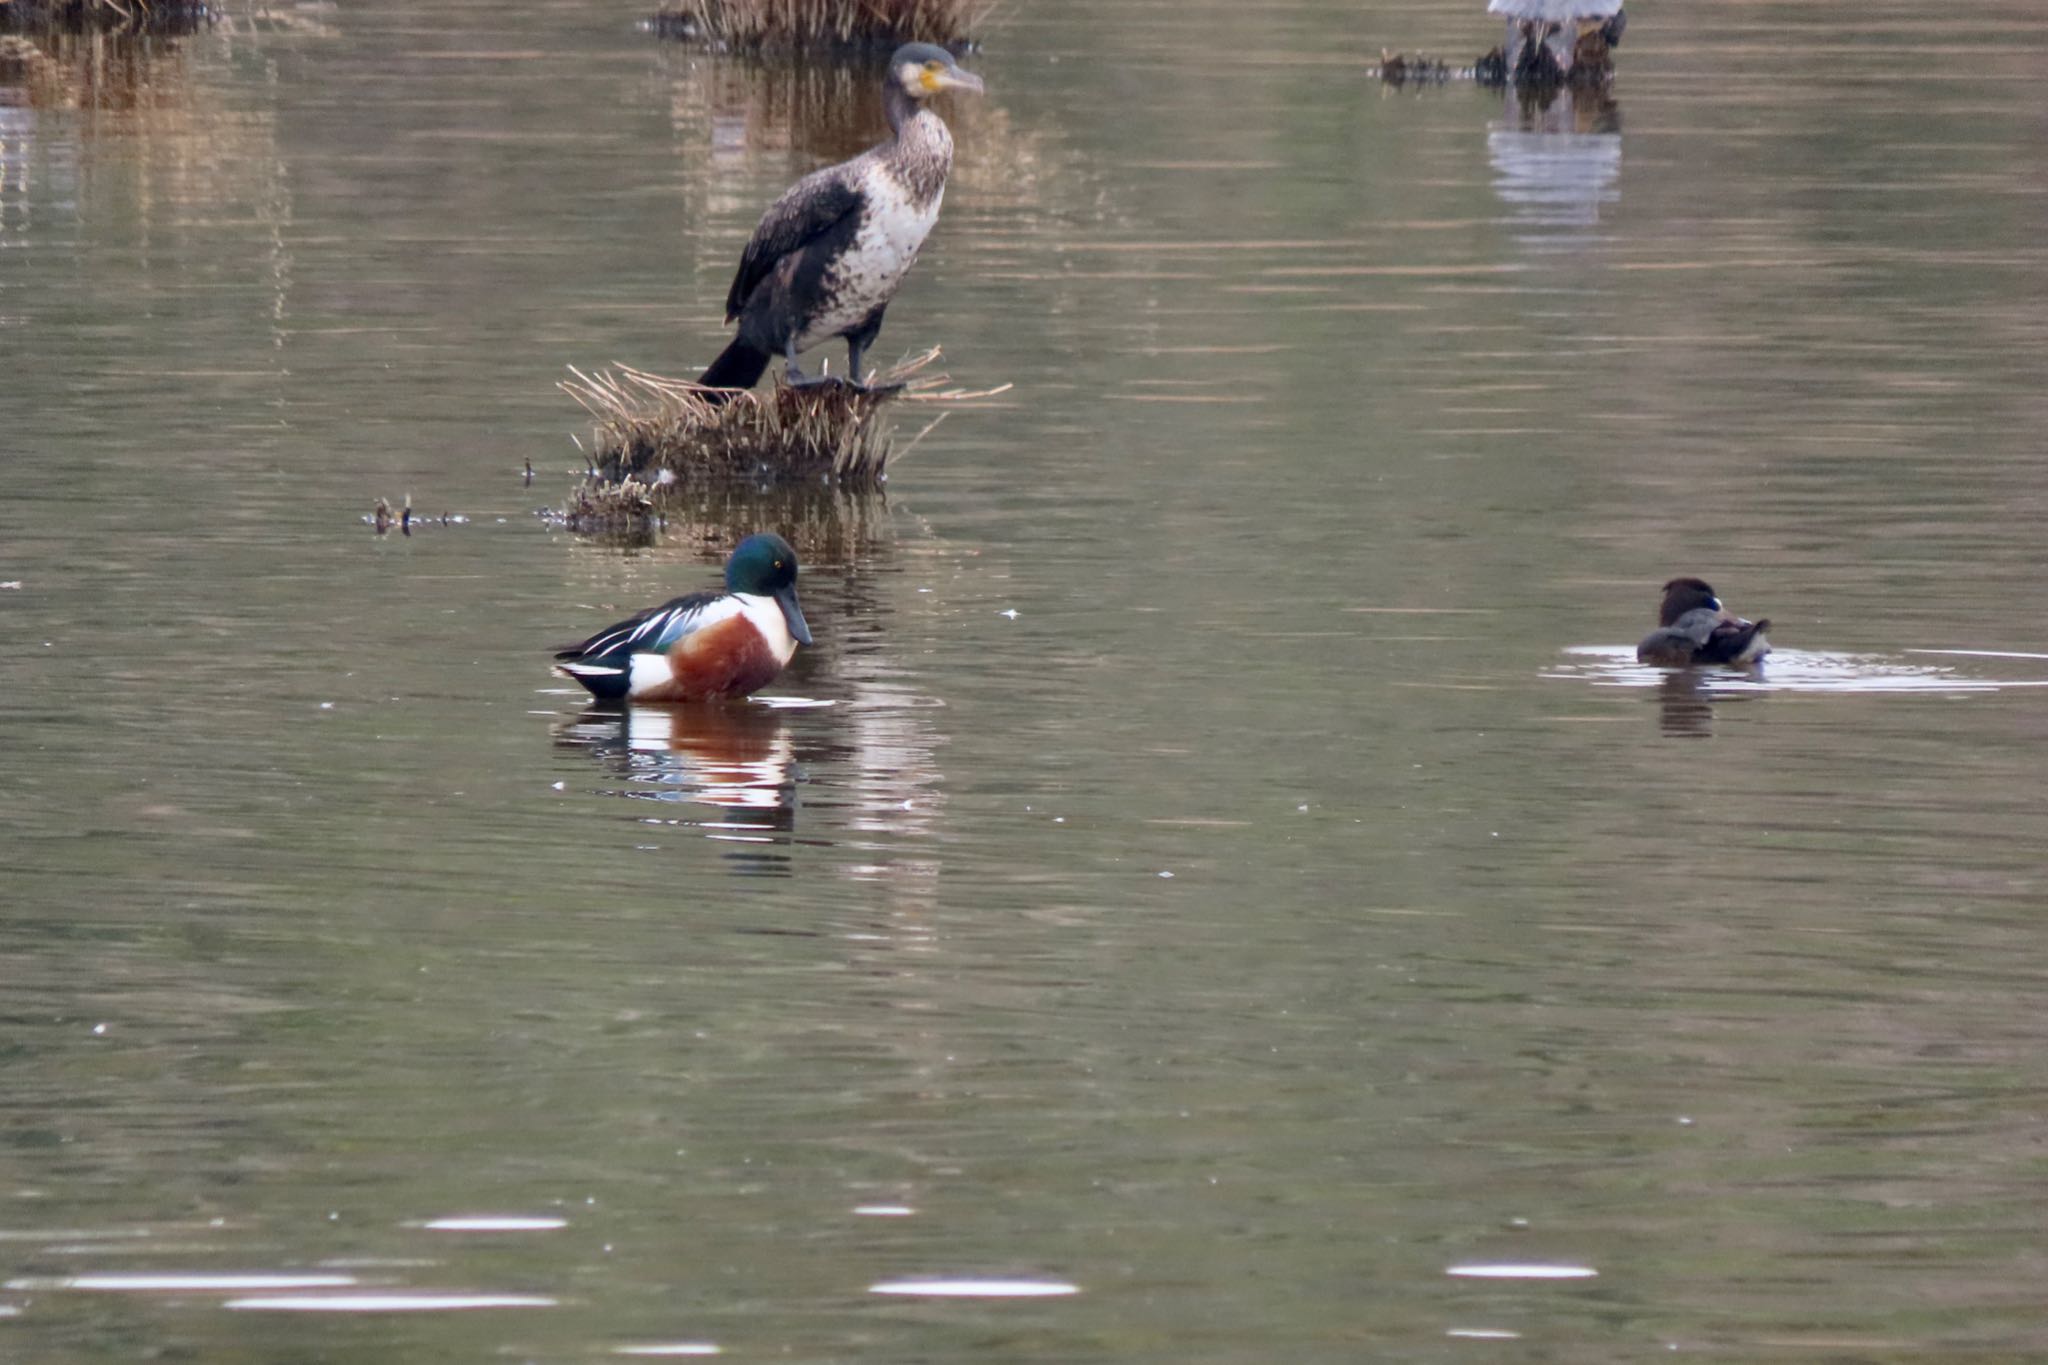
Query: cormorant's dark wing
{"x": 807, "y": 210}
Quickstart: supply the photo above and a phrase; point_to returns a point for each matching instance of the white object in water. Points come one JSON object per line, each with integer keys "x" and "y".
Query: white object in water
{"x": 1555, "y": 11}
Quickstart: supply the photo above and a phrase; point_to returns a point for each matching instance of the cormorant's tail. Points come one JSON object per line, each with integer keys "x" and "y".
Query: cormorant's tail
{"x": 739, "y": 366}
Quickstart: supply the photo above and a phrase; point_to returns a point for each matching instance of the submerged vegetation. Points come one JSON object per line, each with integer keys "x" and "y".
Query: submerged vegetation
{"x": 793, "y": 25}
{"x": 827, "y": 524}
{"x": 137, "y": 16}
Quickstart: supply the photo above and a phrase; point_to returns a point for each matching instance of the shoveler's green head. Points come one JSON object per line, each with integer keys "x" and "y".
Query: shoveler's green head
{"x": 924, "y": 69}
{"x": 764, "y": 565}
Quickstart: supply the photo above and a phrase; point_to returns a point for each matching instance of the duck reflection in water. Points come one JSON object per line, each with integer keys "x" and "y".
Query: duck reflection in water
{"x": 735, "y": 762}
{"x": 1685, "y": 707}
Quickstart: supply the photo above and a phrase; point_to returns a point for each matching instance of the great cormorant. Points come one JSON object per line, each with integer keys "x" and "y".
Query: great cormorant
{"x": 832, "y": 251}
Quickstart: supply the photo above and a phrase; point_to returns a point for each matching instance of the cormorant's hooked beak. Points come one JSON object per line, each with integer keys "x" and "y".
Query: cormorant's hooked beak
{"x": 792, "y": 613}
{"x": 954, "y": 78}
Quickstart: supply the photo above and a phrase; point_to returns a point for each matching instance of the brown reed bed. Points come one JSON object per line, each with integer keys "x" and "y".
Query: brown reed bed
{"x": 93, "y": 16}
{"x": 658, "y": 443}
{"x": 820, "y": 25}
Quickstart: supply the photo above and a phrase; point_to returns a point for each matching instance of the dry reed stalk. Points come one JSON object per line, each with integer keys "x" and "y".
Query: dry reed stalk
{"x": 666, "y": 436}
{"x": 793, "y": 25}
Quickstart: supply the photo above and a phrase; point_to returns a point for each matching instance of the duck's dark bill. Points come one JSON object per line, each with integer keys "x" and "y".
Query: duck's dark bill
{"x": 794, "y": 614}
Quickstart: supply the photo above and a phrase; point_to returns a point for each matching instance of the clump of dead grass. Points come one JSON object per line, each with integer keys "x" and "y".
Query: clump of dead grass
{"x": 656, "y": 437}
{"x": 84, "y": 16}
{"x": 811, "y": 25}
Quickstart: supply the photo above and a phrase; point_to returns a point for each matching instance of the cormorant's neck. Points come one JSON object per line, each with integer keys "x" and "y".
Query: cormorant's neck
{"x": 897, "y": 102}
{"x": 922, "y": 152}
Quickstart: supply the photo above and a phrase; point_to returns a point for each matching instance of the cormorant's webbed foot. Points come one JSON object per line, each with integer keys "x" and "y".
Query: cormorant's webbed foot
{"x": 799, "y": 380}
{"x": 794, "y": 372}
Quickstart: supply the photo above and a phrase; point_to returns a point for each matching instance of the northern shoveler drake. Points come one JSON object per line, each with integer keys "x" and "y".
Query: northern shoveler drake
{"x": 1694, "y": 628}
{"x": 707, "y": 646}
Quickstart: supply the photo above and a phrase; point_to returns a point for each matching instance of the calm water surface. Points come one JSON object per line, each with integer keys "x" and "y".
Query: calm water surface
{"x": 1219, "y": 890}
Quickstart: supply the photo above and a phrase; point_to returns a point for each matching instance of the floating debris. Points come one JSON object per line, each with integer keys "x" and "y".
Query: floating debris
{"x": 1535, "y": 67}
{"x": 810, "y": 25}
{"x": 382, "y": 517}
{"x": 1399, "y": 68}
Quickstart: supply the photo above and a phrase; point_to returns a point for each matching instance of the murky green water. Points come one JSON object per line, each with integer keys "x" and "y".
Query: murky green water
{"x": 1353, "y": 432}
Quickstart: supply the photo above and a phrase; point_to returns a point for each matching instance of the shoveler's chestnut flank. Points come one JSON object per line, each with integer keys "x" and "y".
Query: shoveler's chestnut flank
{"x": 706, "y": 646}
{"x": 1694, "y": 628}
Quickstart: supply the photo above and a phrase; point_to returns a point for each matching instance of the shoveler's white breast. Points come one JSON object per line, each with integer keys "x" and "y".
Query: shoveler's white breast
{"x": 893, "y": 225}
{"x": 766, "y": 615}
{"x": 1555, "y": 11}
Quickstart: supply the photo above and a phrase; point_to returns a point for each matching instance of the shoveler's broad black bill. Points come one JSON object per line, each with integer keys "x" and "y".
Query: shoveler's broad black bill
{"x": 794, "y": 614}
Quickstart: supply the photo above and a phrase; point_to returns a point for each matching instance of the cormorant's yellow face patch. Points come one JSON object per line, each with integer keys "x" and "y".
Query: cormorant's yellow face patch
{"x": 931, "y": 77}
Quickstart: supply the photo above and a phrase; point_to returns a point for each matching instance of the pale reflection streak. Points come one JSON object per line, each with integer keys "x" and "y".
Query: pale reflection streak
{"x": 1557, "y": 164}
{"x": 1686, "y": 698}
{"x": 496, "y": 1223}
{"x": 407, "y": 1301}
{"x": 171, "y": 1282}
{"x": 977, "y": 1289}
{"x": 1521, "y": 1270}
{"x": 1787, "y": 670}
